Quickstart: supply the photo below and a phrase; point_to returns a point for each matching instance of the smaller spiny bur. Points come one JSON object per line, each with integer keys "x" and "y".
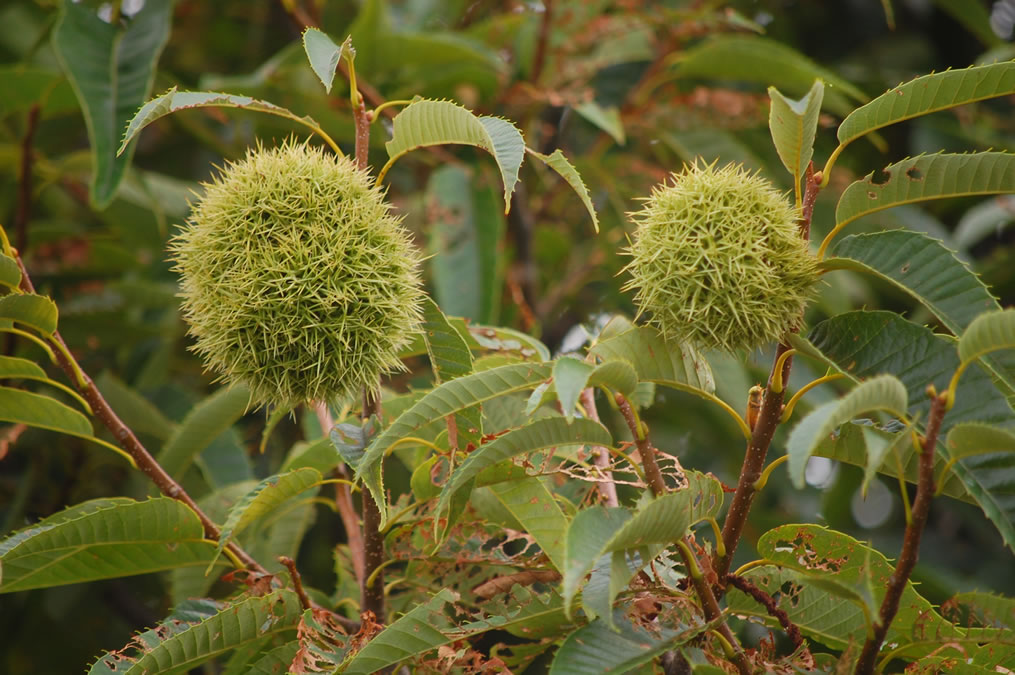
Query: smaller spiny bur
{"x": 718, "y": 259}
{"x": 296, "y": 279}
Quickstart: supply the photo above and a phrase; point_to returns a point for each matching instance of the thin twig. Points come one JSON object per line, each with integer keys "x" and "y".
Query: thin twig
{"x": 297, "y": 581}
{"x": 542, "y": 42}
{"x": 23, "y": 213}
{"x": 770, "y": 605}
{"x": 126, "y": 438}
{"x": 607, "y": 488}
{"x": 343, "y": 502}
{"x": 653, "y": 476}
{"x": 372, "y": 588}
{"x": 911, "y": 542}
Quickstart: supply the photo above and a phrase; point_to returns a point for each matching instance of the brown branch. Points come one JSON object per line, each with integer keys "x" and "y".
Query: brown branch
{"x": 126, "y": 438}
{"x": 702, "y": 587}
{"x": 911, "y": 542}
{"x": 770, "y": 605}
{"x": 607, "y": 489}
{"x": 372, "y": 590}
{"x": 297, "y": 581}
{"x": 542, "y": 41}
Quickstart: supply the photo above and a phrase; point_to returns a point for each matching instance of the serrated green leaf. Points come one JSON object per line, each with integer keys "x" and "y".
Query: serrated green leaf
{"x": 174, "y": 100}
{"x": 597, "y": 531}
{"x": 570, "y": 376}
{"x": 191, "y": 643}
{"x": 202, "y": 425}
{"x": 426, "y": 123}
{"x": 487, "y": 338}
{"x": 118, "y": 538}
{"x": 323, "y": 55}
{"x": 534, "y": 507}
{"x": 883, "y": 392}
{"x": 450, "y": 358}
{"x": 793, "y": 125}
{"x": 927, "y": 94}
{"x": 111, "y": 68}
{"x": 989, "y": 332}
{"x": 276, "y": 661}
{"x": 541, "y": 434}
{"x": 989, "y": 609}
{"x": 601, "y": 648}
{"x": 976, "y": 438}
{"x": 926, "y": 177}
{"x": 559, "y": 163}
{"x": 449, "y": 397}
{"x": 655, "y": 360}
{"x": 266, "y": 496}
{"x": 35, "y": 410}
{"x": 751, "y": 58}
{"x": 28, "y": 309}
{"x": 10, "y": 273}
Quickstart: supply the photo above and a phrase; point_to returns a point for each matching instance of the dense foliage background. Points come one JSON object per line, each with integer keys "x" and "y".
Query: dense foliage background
{"x": 630, "y": 90}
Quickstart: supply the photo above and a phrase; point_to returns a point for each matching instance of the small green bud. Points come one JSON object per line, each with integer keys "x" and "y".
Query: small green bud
{"x": 296, "y": 279}
{"x": 718, "y": 259}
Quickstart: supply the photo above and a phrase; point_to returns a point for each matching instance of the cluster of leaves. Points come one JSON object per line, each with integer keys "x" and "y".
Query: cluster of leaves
{"x": 488, "y": 462}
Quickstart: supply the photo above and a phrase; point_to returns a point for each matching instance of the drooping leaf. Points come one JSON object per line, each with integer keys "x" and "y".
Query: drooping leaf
{"x": 202, "y": 425}
{"x": 924, "y": 178}
{"x": 570, "y": 377}
{"x": 193, "y": 640}
{"x": 879, "y": 447}
{"x": 752, "y": 58}
{"x": 976, "y": 438}
{"x": 10, "y": 273}
{"x": 266, "y": 496}
{"x": 559, "y": 163}
{"x": 989, "y": 332}
{"x": 883, "y": 392}
{"x": 610, "y": 576}
{"x": 597, "y": 531}
{"x": 449, "y": 397}
{"x": 35, "y": 410}
{"x": 13, "y": 367}
{"x": 927, "y": 94}
{"x": 28, "y": 309}
{"x": 617, "y": 374}
{"x": 450, "y": 358}
{"x": 323, "y": 55}
{"x": 351, "y": 440}
{"x": 655, "y": 360}
{"x": 601, "y": 648}
{"x": 530, "y": 502}
{"x": 174, "y": 100}
{"x": 426, "y": 123}
{"x": 111, "y": 68}
{"x": 466, "y": 231}
{"x": 101, "y": 540}
{"x": 793, "y": 125}
{"x": 136, "y": 411}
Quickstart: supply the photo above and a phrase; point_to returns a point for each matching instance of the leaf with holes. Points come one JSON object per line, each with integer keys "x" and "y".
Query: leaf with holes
{"x": 928, "y": 94}
{"x": 596, "y": 531}
{"x": 559, "y": 163}
{"x": 111, "y": 68}
{"x": 103, "y": 539}
{"x": 793, "y": 125}
{"x": 533, "y": 505}
{"x": 883, "y": 392}
{"x": 426, "y": 123}
{"x": 186, "y": 641}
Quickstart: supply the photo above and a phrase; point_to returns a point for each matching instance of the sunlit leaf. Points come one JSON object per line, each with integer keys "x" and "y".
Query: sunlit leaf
{"x": 793, "y": 125}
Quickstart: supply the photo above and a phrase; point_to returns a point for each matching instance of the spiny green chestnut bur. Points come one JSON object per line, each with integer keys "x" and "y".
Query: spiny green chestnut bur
{"x": 296, "y": 279}
{"x": 718, "y": 259}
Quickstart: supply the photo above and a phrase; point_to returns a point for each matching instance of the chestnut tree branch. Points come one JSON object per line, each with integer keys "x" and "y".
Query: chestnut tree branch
{"x": 770, "y": 605}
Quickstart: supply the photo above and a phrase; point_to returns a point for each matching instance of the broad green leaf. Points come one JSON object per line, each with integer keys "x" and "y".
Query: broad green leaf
{"x": 111, "y": 69}
{"x": 819, "y": 552}
{"x": 879, "y": 447}
{"x": 450, "y": 397}
{"x": 751, "y": 58}
{"x": 35, "y": 410}
{"x": 266, "y": 496}
{"x": 671, "y": 365}
{"x": 989, "y": 332}
{"x": 10, "y": 273}
{"x": 202, "y": 638}
{"x": 466, "y": 230}
{"x": 28, "y": 309}
{"x": 976, "y": 438}
{"x": 617, "y": 374}
{"x": 570, "y": 377}
{"x": 559, "y": 163}
{"x": 926, "y": 177}
{"x": 136, "y": 411}
{"x": 174, "y": 100}
{"x": 202, "y": 425}
{"x": 534, "y": 507}
{"x": 793, "y": 125}
{"x": 548, "y": 432}
{"x": 597, "y": 531}
{"x": 18, "y": 368}
{"x": 883, "y": 392}
{"x": 927, "y": 94}
{"x": 601, "y": 648}
{"x": 119, "y": 538}
{"x": 323, "y": 55}
{"x": 487, "y": 338}
{"x": 606, "y": 118}
{"x": 450, "y": 358}
{"x": 426, "y": 123}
